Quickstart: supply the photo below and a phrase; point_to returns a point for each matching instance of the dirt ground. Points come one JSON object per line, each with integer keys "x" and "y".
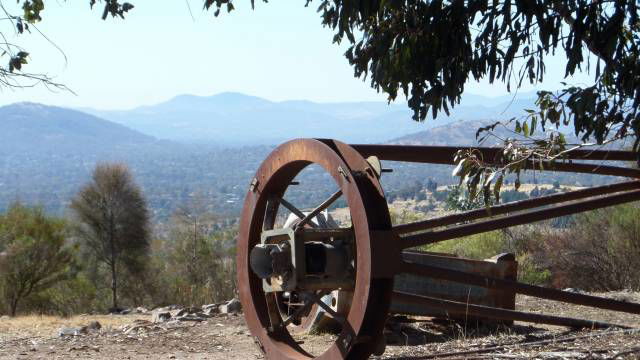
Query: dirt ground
{"x": 226, "y": 337}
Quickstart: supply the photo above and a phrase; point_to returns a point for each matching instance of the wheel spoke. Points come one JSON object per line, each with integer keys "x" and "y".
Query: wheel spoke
{"x": 325, "y": 204}
{"x": 318, "y": 300}
{"x": 296, "y": 314}
{"x": 275, "y": 320}
{"x": 270, "y": 213}
{"x": 308, "y": 301}
{"x": 294, "y": 210}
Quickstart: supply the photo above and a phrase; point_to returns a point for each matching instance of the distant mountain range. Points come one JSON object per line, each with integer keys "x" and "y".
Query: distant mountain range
{"x": 461, "y": 133}
{"x": 29, "y": 128}
{"x": 232, "y": 119}
{"x": 47, "y": 153}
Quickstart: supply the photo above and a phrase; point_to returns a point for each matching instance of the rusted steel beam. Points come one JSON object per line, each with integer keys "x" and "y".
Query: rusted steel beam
{"x": 431, "y": 237}
{"x": 594, "y": 169}
{"x": 515, "y": 206}
{"x": 445, "y": 154}
{"x": 501, "y": 314}
{"x": 520, "y": 288}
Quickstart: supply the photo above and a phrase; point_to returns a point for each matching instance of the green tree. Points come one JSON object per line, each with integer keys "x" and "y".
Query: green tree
{"x": 199, "y": 261}
{"x": 34, "y": 253}
{"x": 114, "y": 221}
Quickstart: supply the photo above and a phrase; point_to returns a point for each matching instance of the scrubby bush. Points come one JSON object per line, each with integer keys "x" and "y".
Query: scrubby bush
{"x": 600, "y": 252}
{"x": 480, "y": 246}
{"x": 35, "y": 255}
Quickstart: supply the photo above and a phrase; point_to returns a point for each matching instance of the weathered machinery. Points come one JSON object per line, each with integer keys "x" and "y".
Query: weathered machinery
{"x": 284, "y": 272}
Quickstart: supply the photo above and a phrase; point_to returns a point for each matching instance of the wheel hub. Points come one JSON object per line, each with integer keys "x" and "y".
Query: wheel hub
{"x": 304, "y": 259}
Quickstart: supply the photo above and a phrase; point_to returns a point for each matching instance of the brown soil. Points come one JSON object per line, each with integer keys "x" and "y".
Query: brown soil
{"x": 226, "y": 337}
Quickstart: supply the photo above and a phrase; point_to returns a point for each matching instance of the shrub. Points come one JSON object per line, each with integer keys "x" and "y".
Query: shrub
{"x": 35, "y": 253}
{"x": 480, "y": 246}
{"x": 600, "y": 252}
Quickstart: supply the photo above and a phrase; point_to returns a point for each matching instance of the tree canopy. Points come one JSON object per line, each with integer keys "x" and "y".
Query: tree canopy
{"x": 114, "y": 221}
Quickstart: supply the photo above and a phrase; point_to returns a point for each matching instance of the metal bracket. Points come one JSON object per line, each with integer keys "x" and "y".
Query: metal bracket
{"x": 254, "y": 185}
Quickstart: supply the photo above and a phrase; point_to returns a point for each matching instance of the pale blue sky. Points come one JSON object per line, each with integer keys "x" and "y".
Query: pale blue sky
{"x": 279, "y": 52}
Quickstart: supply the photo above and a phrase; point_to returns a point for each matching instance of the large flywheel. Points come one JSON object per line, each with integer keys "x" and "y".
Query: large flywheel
{"x": 299, "y": 265}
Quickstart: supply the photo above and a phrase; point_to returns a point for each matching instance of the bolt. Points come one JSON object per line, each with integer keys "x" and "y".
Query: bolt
{"x": 343, "y": 173}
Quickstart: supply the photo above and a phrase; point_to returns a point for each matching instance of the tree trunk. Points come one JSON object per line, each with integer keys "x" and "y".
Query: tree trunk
{"x": 114, "y": 285}
{"x": 114, "y": 279}
{"x": 14, "y": 307}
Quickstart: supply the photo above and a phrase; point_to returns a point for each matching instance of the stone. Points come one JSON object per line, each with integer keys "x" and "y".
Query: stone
{"x": 210, "y": 306}
{"x": 71, "y": 331}
{"x": 190, "y": 317}
{"x": 572, "y": 290}
{"x": 83, "y": 330}
{"x": 178, "y": 313}
{"x": 160, "y": 316}
{"x": 232, "y": 306}
{"x": 115, "y": 310}
{"x": 211, "y": 312}
{"x": 211, "y": 309}
{"x": 141, "y": 310}
{"x": 94, "y": 326}
{"x": 203, "y": 314}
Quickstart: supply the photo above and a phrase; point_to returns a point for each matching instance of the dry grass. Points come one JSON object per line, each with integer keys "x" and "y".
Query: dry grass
{"x": 47, "y": 326}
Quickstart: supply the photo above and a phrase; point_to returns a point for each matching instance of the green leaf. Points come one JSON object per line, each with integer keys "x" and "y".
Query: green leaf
{"x": 458, "y": 171}
{"x": 534, "y": 123}
{"x": 497, "y": 186}
{"x": 489, "y": 179}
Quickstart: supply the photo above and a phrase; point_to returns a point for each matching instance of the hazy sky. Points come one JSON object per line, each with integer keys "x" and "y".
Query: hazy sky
{"x": 279, "y": 52}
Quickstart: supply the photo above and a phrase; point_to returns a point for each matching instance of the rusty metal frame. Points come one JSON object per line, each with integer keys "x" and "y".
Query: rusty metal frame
{"x": 378, "y": 254}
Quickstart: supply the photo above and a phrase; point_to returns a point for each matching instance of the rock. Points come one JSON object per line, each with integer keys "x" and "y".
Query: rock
{"x": 141, "y": 310}
{"x": 4, "y": 317}
{"x": 230, "y": 307}
{"x": 115, "y": 310}
{"x": 572, "y": 290}
{"x": 190, "y": 317}
{"x": 210, "y": 309}
{"x": 125, "y": 312}
{"x": 94, "y": 326}
{"x": 210, "y": 306}
{"x": 179, "y": 312}
{"x": 138, "y": 325}
{"x": 203, "y": 314}
{"x": 83, "y": 330}
{"x": 182, "y": 312}
{"x": 160, "y": 316}
{"x": 71, "y": 331}
{"x": 169, "y": 308}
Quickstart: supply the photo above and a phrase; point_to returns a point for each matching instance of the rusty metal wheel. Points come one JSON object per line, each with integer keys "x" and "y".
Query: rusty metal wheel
{"x": 367, "y": 246}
